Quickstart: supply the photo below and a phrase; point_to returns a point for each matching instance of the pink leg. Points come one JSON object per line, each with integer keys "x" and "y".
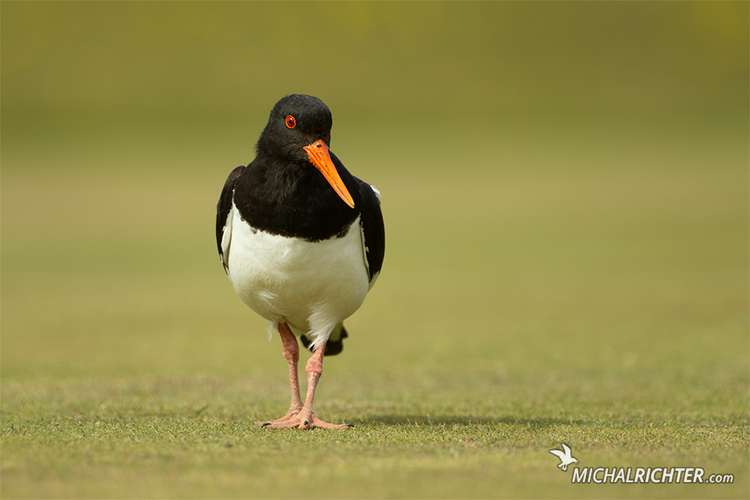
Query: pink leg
{"x": 305, "y": 418}
{"x": 290, "y": 349}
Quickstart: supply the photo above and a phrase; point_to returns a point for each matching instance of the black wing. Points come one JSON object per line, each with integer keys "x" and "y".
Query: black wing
{"x": 223, "y": 208}
{"x": 373, "y": 229}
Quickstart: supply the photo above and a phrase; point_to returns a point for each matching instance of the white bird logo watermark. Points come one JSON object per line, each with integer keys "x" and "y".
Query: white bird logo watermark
{"x": 565, "y": 457}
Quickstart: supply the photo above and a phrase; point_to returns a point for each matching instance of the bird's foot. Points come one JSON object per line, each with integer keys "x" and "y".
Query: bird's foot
{"x": 304, "y": 420}
{"x": 281, "y": 422}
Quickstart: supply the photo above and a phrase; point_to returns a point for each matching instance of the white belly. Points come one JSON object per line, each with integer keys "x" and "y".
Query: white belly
{"x": 312, "y": 286}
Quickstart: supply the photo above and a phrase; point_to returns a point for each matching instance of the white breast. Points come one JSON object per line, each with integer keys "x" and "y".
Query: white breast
{"x": 312, "y": 286}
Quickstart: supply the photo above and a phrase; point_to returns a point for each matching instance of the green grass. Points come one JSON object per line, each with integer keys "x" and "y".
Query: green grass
{"x": 414, "y": 437}
{"x": 567, "y": 249}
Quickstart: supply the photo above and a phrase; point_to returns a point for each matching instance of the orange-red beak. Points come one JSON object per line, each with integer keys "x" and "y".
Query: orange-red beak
{"x": 319, "y": 156}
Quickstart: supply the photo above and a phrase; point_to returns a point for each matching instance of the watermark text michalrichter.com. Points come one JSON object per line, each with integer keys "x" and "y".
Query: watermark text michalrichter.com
{"x": 637, "y": 475}
{"x": 685, "y": 475}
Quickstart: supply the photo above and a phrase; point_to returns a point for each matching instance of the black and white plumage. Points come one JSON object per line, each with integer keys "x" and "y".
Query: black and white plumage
{"x": 301, "y": 239}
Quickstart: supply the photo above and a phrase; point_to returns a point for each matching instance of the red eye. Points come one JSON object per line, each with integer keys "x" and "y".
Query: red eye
{"x": 290, "y": 121}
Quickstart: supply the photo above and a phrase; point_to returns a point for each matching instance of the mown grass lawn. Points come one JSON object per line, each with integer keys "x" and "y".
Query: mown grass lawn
{"x": 428, "y": 435}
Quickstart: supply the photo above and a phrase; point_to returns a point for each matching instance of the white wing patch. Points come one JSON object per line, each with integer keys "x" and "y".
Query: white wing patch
{"x": 226, "y": 237}
{"x": 364, "y": 246}
{"x": 365, "y": 251}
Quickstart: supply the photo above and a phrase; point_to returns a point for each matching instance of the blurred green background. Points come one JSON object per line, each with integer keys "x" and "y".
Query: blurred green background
{"x": 565, "y": 187}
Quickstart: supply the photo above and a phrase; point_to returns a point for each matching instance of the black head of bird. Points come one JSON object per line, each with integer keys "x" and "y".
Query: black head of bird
{"x": 299, "y": 132}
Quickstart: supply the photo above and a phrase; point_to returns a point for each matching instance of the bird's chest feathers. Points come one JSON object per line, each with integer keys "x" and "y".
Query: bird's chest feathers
{"x": 287, "y": 277}
{"x": 294, "y": 203}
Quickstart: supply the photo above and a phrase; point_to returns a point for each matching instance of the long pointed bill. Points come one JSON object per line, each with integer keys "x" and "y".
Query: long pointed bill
{"x": 319, "y": 156}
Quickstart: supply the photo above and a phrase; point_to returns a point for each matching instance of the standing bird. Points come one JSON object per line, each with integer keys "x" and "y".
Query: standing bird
{"x": 302, "y": 241}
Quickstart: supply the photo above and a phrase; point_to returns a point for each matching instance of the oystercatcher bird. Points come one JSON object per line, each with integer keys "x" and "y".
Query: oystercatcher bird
{"x": 302, "y": 241}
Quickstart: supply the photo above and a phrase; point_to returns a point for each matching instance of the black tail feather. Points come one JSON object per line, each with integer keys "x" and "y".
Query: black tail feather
{"x": 333, "y": 347}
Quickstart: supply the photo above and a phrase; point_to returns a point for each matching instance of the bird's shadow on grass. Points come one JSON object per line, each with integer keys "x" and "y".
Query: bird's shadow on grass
{"x": 440, "y": 420}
